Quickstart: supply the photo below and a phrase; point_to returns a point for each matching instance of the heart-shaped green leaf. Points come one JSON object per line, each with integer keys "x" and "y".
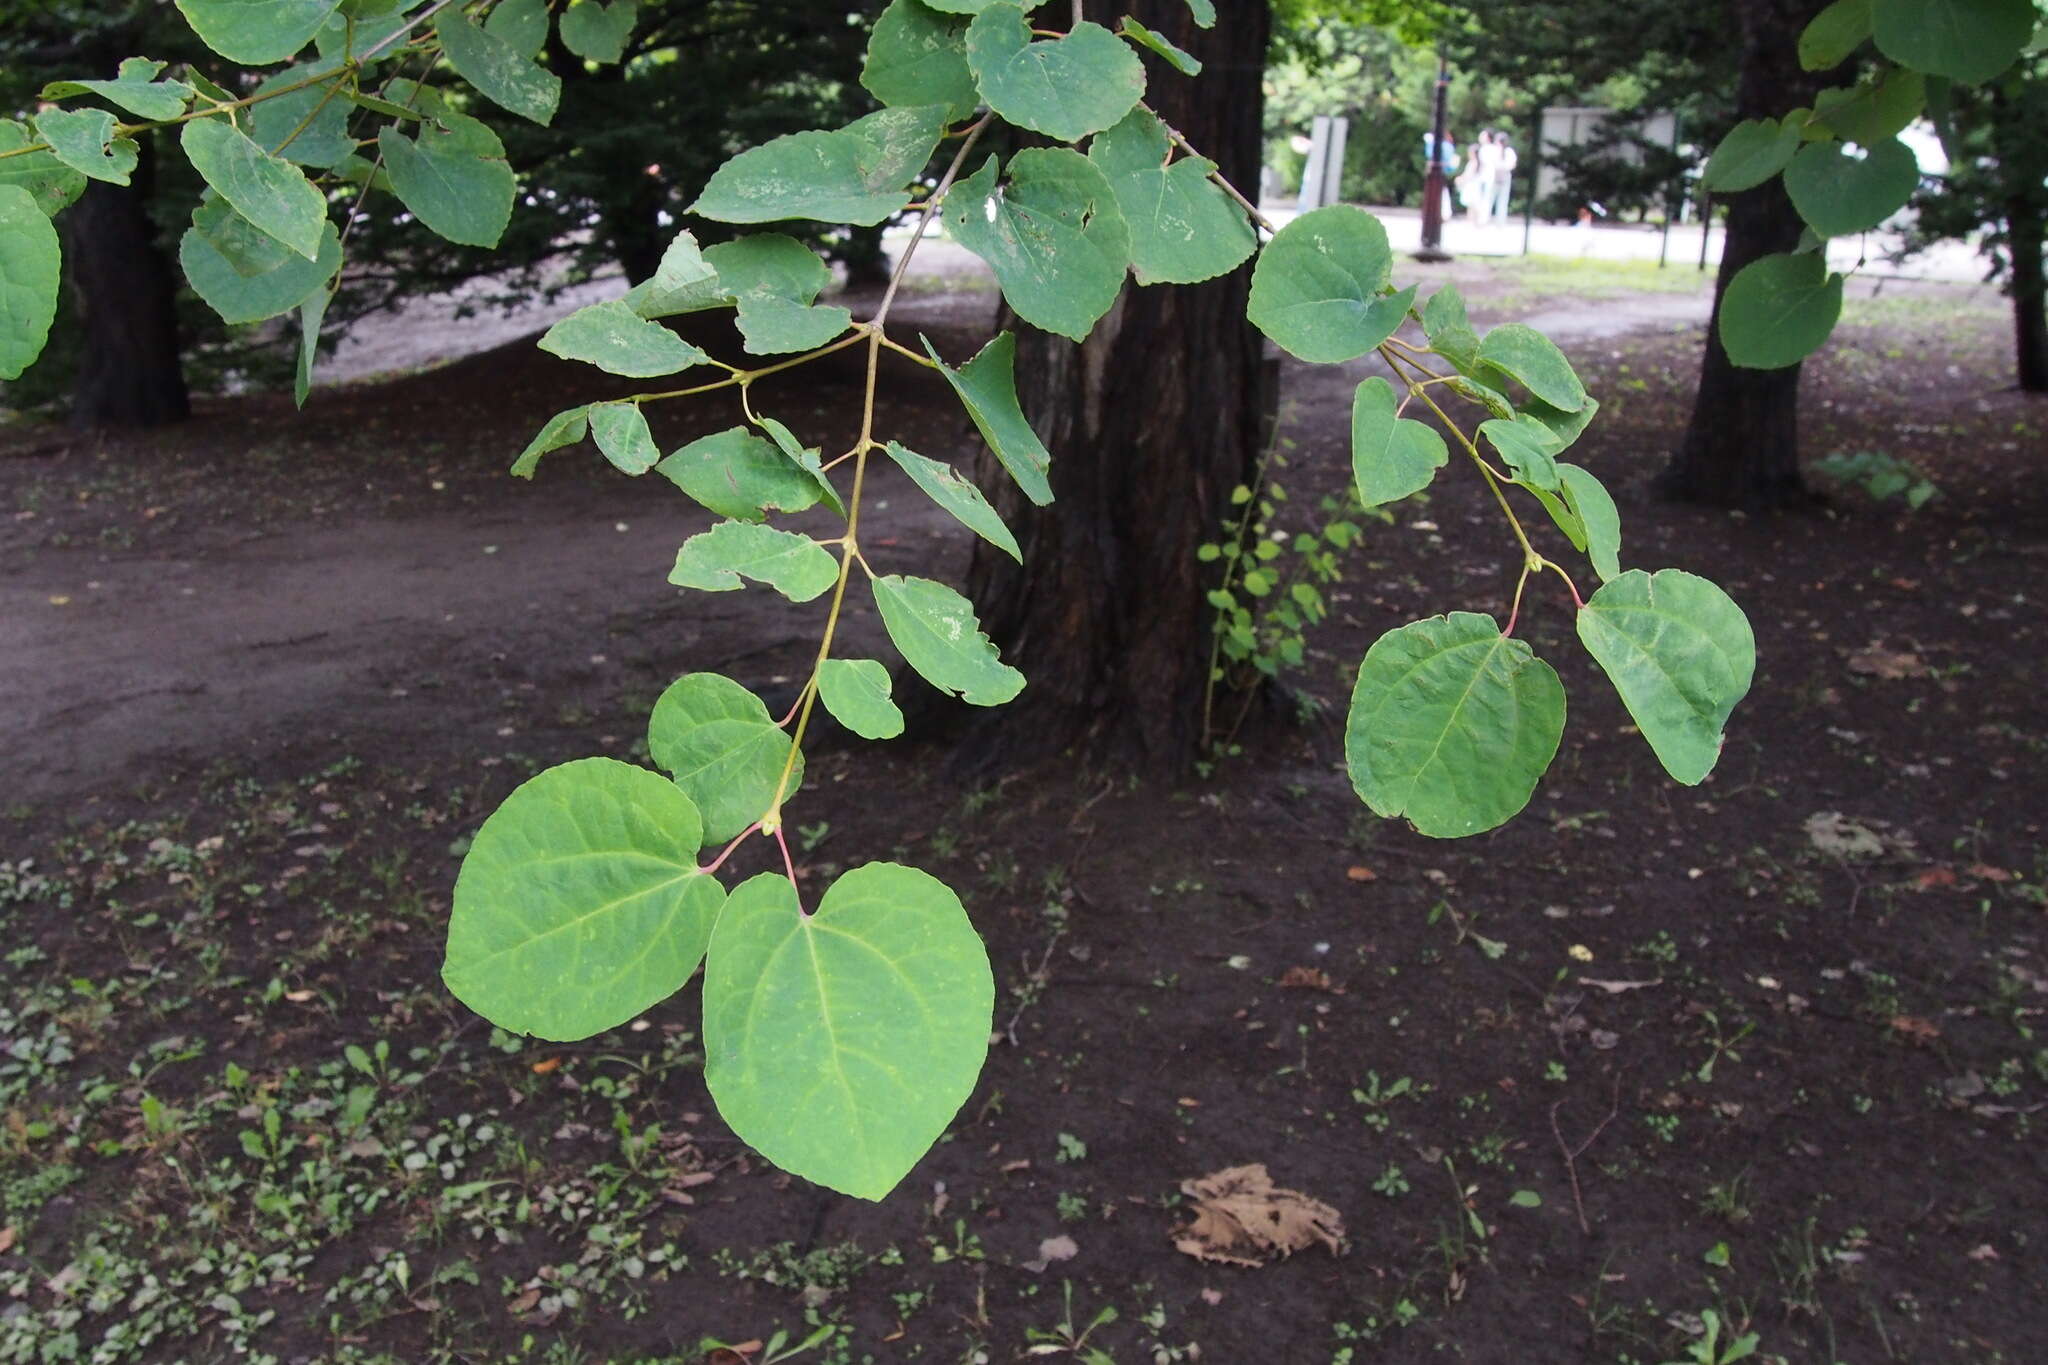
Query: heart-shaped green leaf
{"x": 565, "y": 428}
{"x": 1778, "y": 310}
{"x": 1839, "y": 194}
{"x": 724, "y": 750}
{"x": 135, "y": 88}
{"x": 248, "y": 276}
{"x": 1834, "y": 33}
{"x": 580, "y": 902}
{"x": 1317, "y": 289}
{"x": 840, "y": 1044}
{"x": 1451, "y": 725}
{"x": 598, "y": 32}
{"x": 1391, "y": 456}
{"x": 1681, "y": 654}
{"x": 85, "y": 140}
{"x": 1066, "y": 87}
{"x": 1529, "y": 448}
{"x": 453, "y": 176}
{"x": 53, "y": 185}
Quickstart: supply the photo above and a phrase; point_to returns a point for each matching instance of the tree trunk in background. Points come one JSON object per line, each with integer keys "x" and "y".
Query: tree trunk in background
{"x": 1150, "y": 423}
{"x": 129, "y": 373}
{"x": 1742, "y": 447}
{"x": 2029, "y": 300}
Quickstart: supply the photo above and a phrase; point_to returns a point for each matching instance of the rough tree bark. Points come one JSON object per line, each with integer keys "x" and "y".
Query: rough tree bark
{"x": 2029, "y": 295}
{"x": 1150, "y": 423}
{"x": 129, "y": 374}
{"x": 1742, "y": 446}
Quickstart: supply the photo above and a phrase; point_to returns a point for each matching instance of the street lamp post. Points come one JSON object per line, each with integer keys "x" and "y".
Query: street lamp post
{"x": 1433, "y": 179}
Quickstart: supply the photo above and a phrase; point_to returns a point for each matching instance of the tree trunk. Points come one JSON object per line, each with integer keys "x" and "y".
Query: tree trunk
{"x": 1742, "y": 446}
{"x": 129, "y": 373}
{"x": 2029, "y": 296}
{"x": 1151, "y": 423}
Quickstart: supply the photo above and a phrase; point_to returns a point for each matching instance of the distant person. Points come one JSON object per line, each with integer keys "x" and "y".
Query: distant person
{"x": 1505, "y": 162}
{"x": 1447, "y": 161}
{"x": 1475, "y": 185}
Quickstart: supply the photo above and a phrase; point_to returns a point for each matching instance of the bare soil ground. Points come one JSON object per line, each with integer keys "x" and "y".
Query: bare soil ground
{"x": 1768, "y": 1049}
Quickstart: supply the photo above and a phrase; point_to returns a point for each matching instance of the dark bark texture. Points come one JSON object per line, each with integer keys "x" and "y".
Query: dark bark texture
{"x": 1741, "y": 448}
{"x": 129, "y": 374}
{"x": 1151, "y": 423}
{"x": 2029, "y": 297}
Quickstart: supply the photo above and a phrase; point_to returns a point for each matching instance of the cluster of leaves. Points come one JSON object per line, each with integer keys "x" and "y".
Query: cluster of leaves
{"x": 1842, "y": 162}
{"x": 1271, "y": 593}
{"x": 842, "y": 1037}
{"x": 1880, "y": 475}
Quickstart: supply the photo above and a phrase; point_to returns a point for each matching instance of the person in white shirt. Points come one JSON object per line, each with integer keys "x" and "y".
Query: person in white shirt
{"x": 1475, "y": 185}
{"x": 1504, "y": 174}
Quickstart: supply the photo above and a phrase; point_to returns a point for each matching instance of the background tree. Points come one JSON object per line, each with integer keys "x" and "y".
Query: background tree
{"x": 1996, "y": 192}
{"x": 123, "y": 345}
{"x": 1152, "y": 421}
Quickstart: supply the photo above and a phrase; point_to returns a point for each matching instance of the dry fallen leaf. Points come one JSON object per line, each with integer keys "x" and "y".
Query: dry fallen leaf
{"x": 1361, "y": 874}
{"x": 1914, "y": 1027}
{"x": 1935, "y": 876}
{"x": 1243, "y": 1218}
{"x": 1617, "y": 987}
{"x": 7, "y": 1236}
{"x": 1878, "y": 662}
{"x": 1304, "y": 979}
{"x": 1988, "y": 873}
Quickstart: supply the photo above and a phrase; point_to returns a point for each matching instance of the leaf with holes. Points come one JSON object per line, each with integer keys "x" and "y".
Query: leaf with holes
{"x": 919, "y": 56}
{"x": 53, "y": 185}
{"x": 1065, "y": 87}
{"x": 453, "y": 177}
{"x": 936, "y": 631}
{"x": 854, "y": 174}
{"x": 86, "y": 141}
{"x": 737, "y": 474}
{"x": 724, "y": 750}
{"x": 498, "y": 69}
{"x": 856, "y": 692}
{"x": 135, "y": 87}
{"x": 1452, "y": 724}
{"x": 621, "y": 433}
{"x": 796, "y": 566}
{"x": 580, "y": 902}
{"x": 611, "y": 336}
{"x": 1184, "y": 228}
{"x": 840, "y": 1044}
{"x": 1681, "y": 654}
{"x": 1053, "y": 234}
